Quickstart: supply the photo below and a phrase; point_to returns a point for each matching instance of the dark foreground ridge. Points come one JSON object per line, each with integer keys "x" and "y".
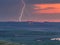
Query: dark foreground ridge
{"x": 29, "y": 33}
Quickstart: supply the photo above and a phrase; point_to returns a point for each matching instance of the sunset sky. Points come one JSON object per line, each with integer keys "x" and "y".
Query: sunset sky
{"x": 35, "y": 10}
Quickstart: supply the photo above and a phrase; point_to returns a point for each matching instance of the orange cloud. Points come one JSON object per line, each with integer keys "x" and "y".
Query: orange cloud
{"x": 46, "y": 8}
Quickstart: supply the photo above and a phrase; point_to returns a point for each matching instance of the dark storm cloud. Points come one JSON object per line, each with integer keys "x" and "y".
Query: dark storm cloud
{"x": 9, "y": 2}
{"x": 4, "y": 2}
{"x": 9, "y": 9}
{"x": 41, "y": 1}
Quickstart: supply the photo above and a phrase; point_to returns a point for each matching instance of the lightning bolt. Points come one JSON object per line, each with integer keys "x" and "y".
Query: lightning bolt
{"x": 20, "y": 17}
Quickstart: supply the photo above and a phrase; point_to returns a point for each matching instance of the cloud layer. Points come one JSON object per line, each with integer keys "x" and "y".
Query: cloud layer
{"x": 47, "y": 8}
{"x": 41, "y": 1}
{"x": 36, "y": 10}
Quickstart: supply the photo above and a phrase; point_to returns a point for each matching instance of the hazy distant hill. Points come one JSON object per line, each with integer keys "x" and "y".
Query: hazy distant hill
{"x": 54, "y": 26}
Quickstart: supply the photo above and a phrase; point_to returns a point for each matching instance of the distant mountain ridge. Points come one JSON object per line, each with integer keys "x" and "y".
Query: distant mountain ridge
{"x": 30, "y": 26}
